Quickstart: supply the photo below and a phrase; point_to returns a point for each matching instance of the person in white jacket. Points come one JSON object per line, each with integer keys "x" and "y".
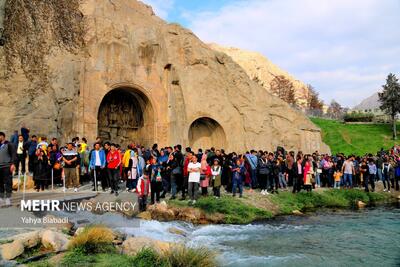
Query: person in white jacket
{"x": 386, "y": 168}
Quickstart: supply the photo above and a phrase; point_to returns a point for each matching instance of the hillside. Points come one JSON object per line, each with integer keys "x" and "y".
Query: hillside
{"x": 355, "y": 138}
{"x": 371, "y": 102}
{"x": 261, "y": 69}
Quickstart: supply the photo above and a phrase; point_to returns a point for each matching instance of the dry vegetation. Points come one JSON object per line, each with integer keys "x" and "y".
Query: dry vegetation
{"x": 33, "y": 28}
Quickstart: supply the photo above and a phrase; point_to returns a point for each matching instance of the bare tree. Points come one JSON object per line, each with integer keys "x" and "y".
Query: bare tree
{"x": 314, "y": 104}
{"x": 284, "y": 89}
{"x": 335, "y": 110}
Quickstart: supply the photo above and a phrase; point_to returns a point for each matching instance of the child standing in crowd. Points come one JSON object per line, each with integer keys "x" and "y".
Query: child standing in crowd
{"x": 238, "y": 172}
{"x": 216, "y": 172}
{"x": 337, "y": 176}
{"x": 143, "y": 189}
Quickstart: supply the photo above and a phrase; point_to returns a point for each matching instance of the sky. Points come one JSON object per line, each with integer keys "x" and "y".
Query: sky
{"x": 344, "y": 48}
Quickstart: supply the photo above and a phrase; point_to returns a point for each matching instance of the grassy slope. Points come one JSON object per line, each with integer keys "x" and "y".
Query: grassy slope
{"x": 234, "y": 209}
{"x": 355, "y": 138}
{"x": 331, "y": 198}
{"x": 251, "y": 208}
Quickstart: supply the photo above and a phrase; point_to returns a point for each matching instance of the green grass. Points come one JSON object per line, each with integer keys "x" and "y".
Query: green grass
{"x": 356, "y": 139}
{"x": 234, "y": 210}
{"x": 77, "y": 258}
{"x": 178, "y": 256}
{"x": 333, "y": 198}
{"x": 182, "y": 256}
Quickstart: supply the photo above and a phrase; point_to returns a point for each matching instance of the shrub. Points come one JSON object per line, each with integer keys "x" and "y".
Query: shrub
{"x": 359, "y": 117}
{"x": 235, "y": 211}
{"x": 148, "y": 257}
{"x": 42, "y": 263}
{"x": 93, "y": 239}
{"x": 183, "y": 256}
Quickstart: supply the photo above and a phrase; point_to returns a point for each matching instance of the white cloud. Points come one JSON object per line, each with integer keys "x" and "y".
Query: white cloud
{"x": 160, "y": 7}
{"x": 341, "y": 47}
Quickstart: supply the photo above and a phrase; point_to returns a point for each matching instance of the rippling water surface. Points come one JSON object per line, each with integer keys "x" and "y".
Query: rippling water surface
{"x": 368, "y": 237}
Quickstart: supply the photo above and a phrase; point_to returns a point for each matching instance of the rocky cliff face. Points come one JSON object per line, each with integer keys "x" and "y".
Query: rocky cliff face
{"x": 263, "y": 71}
{"x": 187, "y": 92}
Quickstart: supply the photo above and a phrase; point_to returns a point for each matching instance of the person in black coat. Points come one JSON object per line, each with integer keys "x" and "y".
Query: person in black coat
{"x": 41, "y": 170}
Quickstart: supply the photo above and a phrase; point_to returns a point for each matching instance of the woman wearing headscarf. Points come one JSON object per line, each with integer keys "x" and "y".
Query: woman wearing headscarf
{"x": 308, "y": 173}
{"x": 41, "y": 170}
{"x": 204, "y": 175}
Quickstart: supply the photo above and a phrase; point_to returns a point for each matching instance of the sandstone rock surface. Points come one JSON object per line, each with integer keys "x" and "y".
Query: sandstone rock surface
{"x": 260, "y": 69}
{"x": 12, "y": 250}
{"x": 54, "y": 240}
{"x": 174, "y": 88}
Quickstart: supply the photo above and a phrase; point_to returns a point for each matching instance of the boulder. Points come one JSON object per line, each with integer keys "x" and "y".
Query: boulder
{"x": 29, "y": 240}
{"x": 161, "y": 212}
{"x": 190, "y": 215}
{"x": 57, "y": 223}
{"x": 361, "y": 204}
{"x": 176, "y": 231}
{"x": 145, "y": 215}
{"x": 133, "y": 245}
{"x": 297, "y": 213}
{"x": 54, "y": 240}
{"x": 12, "y": 250}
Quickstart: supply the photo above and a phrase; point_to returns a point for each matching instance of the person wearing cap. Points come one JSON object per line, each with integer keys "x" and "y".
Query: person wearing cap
{"x": 71, "y": 160}
{"x": 216, "y": 172}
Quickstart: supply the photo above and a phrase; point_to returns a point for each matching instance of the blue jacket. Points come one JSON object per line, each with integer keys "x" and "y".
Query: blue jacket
{"x": 238, "y": 175}
{"x": 14, "y": 140}
{"x": 102, "y": 156}
{"x": 253, "y": 160}
{"x": 31, "y": 145}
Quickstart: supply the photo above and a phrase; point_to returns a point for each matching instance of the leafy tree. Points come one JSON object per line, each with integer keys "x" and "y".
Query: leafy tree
{"x": 314, "y": 104}
{"x": 284, "y": 89}
{"x": 335, "y": 110}
{"x": 390, "y": 99}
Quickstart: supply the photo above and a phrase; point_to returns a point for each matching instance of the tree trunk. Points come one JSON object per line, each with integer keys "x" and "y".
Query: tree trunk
{"x": 394, "y": 127}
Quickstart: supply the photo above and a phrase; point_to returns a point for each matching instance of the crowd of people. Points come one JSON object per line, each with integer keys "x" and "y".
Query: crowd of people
{"x": 155, "y": 172}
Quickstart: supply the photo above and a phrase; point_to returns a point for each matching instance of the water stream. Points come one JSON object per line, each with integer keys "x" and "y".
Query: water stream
{"x": 369, "y": 237}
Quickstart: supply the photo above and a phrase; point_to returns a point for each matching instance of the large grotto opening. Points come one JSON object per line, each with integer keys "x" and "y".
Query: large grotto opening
{"x": 125, "y": 116}
{"x": 205, "y": 133}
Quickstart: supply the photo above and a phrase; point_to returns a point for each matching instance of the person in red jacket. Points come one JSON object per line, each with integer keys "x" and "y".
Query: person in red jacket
{"x": 113, "y": 164}
{"x": 143, "y": 188}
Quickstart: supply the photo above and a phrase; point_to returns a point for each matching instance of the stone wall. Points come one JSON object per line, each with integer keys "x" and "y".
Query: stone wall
{"x": 178, "y": 76}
